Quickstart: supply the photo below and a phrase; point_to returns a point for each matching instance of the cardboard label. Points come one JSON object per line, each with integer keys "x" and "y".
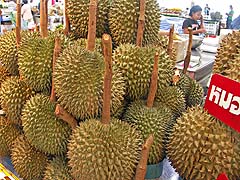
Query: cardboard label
{"x": 223, "y": 100}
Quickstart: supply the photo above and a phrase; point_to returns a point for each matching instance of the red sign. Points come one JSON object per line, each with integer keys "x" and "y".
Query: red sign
{"x": 223, "y": 100}
{"x": 222, "y": 177}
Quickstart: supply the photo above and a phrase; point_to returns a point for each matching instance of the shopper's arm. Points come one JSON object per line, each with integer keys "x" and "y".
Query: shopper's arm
{"x": 199, "y": 31}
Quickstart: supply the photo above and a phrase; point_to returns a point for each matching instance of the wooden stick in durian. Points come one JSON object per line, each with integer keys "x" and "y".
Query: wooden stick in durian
{"x": 43, "y": 24}
{"x": 153, "y": 83}
{"x": 67, "y": 23}
{"x": 92, "y": 25}
{"x": 18, "y": 23}
{"x": 170, "y": 42}
{"x": 189, "y": 51}
{"x": 46, "y": 13}
{"x": 141, "y": 23}
{"x": 107, "y": 52}
{"x": 142, "y": 165}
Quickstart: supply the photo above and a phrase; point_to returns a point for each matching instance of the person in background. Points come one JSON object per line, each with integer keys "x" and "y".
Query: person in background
{"x": 229, "y": 17}
{"x": 192, "y": 22}
{"x": 26, "y": 14}
{"x": 206, "y": 10}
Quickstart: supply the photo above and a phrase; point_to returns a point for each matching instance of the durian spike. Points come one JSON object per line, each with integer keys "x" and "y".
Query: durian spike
{"x": 92, "y": 25}
{"x": 170, "y": 41}
{"x": 142, "y": 165}
{"x": 153, "y": 84}
{"x": 43, "y": 25}
{"x": 18, "y": 23}
{"x": 56, "y": 53}
{"x": 188, "y": 56}
{"x": 107, "y": 52}
{"x": 141, "y": 23}
{"x": 67, "y": 23}
{"x": 61, "y": 113}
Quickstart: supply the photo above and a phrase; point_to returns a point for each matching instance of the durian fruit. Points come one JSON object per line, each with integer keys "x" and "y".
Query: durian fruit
{"x": 78, "y": 81}
{"x": 200, "y": 147}
{"x": 227, "y": 59}
{"x": 4, "y": 74}
{"x": 123, "y": 21}
{"x": 8, "y": 52}
{"x": 150, "y": 121}
{"x": 42, "y": 128}
{"x": 184, "y": 84}
{"x": 173, "y": 98}
{"x": 78, "y": 12}
{"x": 98, "y": 44}
{"x": 136, "y": 65}
{"x": 35, "y": 62}
{"x": 27, "y": 161}
{"x": 57, "y": 169}
{"x": 13, "y": 95}
{"x": 8, "y": 133}
{"x": 195, "y": 96}
{"x": 100, "y": 151}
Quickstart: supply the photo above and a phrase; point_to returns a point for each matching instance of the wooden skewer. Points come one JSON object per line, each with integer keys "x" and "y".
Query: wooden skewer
{"x": 141, "y": 23}
{"x": 18, "y": 23}
{"x": 189, "y": 51}
{"x": 107, "y": 50}
{"x": 43, "y": 24}
{"x": 170, "y": 41}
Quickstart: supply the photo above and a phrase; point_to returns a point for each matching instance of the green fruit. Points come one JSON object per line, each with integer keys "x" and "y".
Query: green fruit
{"x": 42, "y": 128}
{"x": 78, "y": 82}
{"x": 4, "y": 74}
{"x": 78, "y": 12}
{"x": 201, "y": 147}
{"x": 8, "y": 133}
{"x": 123, "y": 21}
{"x": 13, "y": 95}
{"x": 184, "y": 84}
{"x": 136, "y": 64}
{"x": 173, "y": 98}
{"x": 100, "y": 151}
{"x": 57, "y": 169}
{"x": 195, "y": 96}
{"x": 27, "y": 161}
{"x": 150, "y": 121}
{"x": 35, "y": 62}
{"x": 98, "y": 44}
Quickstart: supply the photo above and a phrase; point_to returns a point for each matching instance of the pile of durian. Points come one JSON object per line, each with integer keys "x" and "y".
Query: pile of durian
{"x": 73, "y": 112}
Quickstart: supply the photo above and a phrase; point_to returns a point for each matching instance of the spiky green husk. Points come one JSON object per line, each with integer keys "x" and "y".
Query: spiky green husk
{"x": 28, "y": 162}
{"x": 123, "y": 21}
{"x": 150, "y": 121}
{"x": 78, "y": 12}
{"x": 195, "y": 96}
{"x": 173, "y": 98}
{"x": 35, "y": 62}
{"x": 13, "y": 94}
{"x": 78, "y": 82}
{"x": 136, "y": 64}
{"x": 57, "y": 169}
{"x": 200, "y": 147}
{"x": 4, "y": 74}
{"x": 42, "y": 128}
{"x": 98, "y": 44}
{"x": 8, "y": 133}
{"x": 184, "y": 84}
{"x": 100, "y": 151}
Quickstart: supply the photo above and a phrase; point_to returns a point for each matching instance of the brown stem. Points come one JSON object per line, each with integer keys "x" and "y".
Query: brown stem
{"x": 18, "y": 23}
{"x": 46, "y": 14}
{"x": 153, "y": 84}
{"x": 56, "y": 53}
{"x": 188, "y": 56}
{"x": 107, "y": 51}
{"x": 92, "y": 25}
{"x": 61, "y": 113}
{"x": 67, "y": 23}
{"x": 37, "y": 28}
{"x": 170, "y": 41}
{"x": 43, "y": 24}
{"x": 141, "y": 23}
{"x": 142, "y": 165}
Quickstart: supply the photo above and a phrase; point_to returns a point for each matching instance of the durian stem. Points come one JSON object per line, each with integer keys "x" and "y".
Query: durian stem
{"x": 67, "y": 23}
{"x": 189, "y": 51}
{"x": 107, "y": 51}
{"x": 18, "y": 23}
{"x": 142, "y": 165}
{"x": 141, "y": 23}
{"x": 92, "y": 25}
{"x": 43, "y": 24}
{"x": 56, "y": 53}
{"x": 46, "y": 14}
{"x": 153, "y": 84}
{"x": 61, "y": 113}
{"x": 170, "y": 41}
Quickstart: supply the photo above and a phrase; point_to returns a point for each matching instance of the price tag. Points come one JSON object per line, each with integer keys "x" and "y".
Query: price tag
{"x": 223, "y": 100}
{"x": 222, "y": 177}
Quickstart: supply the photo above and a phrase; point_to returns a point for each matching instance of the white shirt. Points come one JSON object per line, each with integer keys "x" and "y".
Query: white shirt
{"x": 26, "y": 12}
